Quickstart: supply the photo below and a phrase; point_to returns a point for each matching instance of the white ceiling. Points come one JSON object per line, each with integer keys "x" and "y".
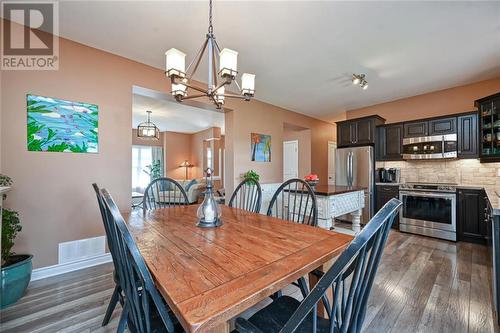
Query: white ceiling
{"x": 173, "y": 116}
{"x": 304, "y": 53}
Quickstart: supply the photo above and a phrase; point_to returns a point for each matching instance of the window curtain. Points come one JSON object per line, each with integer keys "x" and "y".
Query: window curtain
{"x": 144, "y": 158}
{"x": 157, "y": 154}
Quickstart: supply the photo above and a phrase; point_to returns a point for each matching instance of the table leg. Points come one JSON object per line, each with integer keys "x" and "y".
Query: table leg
{"x": 313, "y": 279}
{"x": 356, "y": 220}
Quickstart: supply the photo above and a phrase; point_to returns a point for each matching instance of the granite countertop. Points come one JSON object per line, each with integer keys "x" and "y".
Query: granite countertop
{"x": 494, "y": 200}
{"x": 388, "y": 184}
{"x": 336, "y": 189}
{"x": 331, "y": 189}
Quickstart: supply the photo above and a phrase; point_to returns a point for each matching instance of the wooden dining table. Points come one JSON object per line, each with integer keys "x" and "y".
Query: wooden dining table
{"x": 208, "y": 276}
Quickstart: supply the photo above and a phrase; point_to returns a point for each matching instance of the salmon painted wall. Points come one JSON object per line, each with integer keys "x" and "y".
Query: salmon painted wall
{"x": 304, "y": 140}
{"x": 263, "y": 118}
{"x": 437, "y": 103}
{"x": 177, "y": 150}
{"x": 53, "y": 192}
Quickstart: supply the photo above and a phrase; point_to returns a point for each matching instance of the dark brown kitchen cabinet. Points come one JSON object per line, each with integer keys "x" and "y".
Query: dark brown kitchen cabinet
{"x": 468, "y": 136}
{"x": 416, "y": 128}
{"x": 489, "y": 128}
{"x": 384, "y": 193}
{"x": 443, "y": 126}
{"x": 365, "y": 131}
{"x": 471, "y": 225}
{"x": 345, "y": 131}
{"x": 389, "y": 145}
{"x": 357, "y": 132}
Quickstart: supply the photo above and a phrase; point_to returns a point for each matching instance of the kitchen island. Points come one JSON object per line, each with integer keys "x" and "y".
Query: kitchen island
{"x": 334, "y": 201}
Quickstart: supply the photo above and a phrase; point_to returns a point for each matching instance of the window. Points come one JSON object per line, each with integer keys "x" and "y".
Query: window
{"x": 142, "y": 156}
{"x": 210, "y": 161}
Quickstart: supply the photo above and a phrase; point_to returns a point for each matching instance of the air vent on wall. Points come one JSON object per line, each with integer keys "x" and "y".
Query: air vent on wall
{"x": 81, "y": 249}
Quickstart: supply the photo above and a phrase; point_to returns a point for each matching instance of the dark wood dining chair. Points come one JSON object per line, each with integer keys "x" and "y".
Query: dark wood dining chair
{"x": 294, "y": 201}
{"x": 351, "y": 279}
{"x": 247, "y": 196}
{"x": 117, "y": 295}
{"x": 164, "y": 192}
{"x": 145, "y": 309}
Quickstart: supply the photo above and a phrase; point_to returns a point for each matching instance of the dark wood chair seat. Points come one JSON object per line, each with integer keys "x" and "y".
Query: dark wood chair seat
{"x": 273, "y": 317}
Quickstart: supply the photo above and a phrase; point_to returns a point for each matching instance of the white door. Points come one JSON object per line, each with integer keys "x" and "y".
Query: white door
{"x": 290, "y": 159}
{"x": 332, "y": 148}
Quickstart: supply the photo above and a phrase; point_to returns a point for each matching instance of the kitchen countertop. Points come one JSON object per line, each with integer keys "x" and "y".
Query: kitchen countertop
{"x": 336, "y": 189}
{"x": 332, "y": 189}
{"x": 388, "y": 184}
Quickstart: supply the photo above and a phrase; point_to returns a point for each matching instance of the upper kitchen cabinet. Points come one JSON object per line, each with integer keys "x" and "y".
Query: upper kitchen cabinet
{"x": 415, "y": 129}
{"x": 358, "y": 132}
{"x": 489, "y": 128}
{"x": 438, "y": 126}
{"x": 390, "y": 142}
{"x": 468, "y": 137}
{"x": 443, "y": 126}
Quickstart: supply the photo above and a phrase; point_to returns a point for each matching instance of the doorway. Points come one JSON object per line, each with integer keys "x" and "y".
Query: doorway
{"x": 290, "y": 159}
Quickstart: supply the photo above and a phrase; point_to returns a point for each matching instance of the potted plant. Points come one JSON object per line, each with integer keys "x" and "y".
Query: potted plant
{"x": 251, "y": 175}
{"x": 16, "y": 268}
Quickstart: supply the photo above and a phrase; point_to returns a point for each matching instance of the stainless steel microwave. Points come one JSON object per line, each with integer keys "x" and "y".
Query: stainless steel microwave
{"x": 430, "y": 147}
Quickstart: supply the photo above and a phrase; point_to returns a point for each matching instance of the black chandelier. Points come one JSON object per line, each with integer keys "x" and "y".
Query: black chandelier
{"x": 225, "y": 60}
{"x": 148, "y": 130}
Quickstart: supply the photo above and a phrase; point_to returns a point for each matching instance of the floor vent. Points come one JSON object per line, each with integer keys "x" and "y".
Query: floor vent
{"x": 81, "y": 249}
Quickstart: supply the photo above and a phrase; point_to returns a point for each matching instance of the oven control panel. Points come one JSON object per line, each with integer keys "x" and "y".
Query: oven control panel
{"x": 429, "y": 187}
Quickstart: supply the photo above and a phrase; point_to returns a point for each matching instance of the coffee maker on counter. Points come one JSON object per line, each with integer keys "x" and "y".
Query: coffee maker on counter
{"x": 390, "y": 175}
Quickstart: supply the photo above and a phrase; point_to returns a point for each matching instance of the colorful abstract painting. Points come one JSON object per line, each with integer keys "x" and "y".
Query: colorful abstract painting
{"x": 62, "y": 126}
{"x": 260, "y": 147}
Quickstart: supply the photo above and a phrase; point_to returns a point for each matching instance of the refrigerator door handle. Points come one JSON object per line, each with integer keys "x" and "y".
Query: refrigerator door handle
{"x": 349, "y": 169}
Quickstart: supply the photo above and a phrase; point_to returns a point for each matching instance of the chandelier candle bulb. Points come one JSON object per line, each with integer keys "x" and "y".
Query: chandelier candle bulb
{"x": 228, "y": 63}
{"x": 219, "y": 95}
{"x": 175, "y": 63}
{"x": 248, "y": 84}
{"x": 179, "y": 89}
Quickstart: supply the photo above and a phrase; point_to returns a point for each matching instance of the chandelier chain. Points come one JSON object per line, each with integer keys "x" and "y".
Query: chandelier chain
{"x": 210, "y": 27}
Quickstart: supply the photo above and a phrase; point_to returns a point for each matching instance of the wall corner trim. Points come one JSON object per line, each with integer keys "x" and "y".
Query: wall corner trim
{"x": 45, "y": 272}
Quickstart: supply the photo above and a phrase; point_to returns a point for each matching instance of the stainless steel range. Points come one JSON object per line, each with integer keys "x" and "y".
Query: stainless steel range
{"x": 429, "y": 209}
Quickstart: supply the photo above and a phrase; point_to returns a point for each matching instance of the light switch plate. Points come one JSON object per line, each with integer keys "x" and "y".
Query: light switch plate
{"x": 498, "y": 172}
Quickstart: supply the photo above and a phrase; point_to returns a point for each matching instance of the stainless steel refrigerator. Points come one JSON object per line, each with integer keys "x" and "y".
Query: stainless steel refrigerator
{"x": 356, "y": 167}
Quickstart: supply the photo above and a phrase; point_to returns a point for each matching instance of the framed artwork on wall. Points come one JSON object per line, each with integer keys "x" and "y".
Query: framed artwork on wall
{"x": 260, "y": 147}
{"x": 58, "y": 125}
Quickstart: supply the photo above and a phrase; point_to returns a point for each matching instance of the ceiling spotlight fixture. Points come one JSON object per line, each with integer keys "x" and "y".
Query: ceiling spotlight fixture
{"x": 148, "y": 130}
{"x": 225, "y": 61}
{"x": 359, "y": 79}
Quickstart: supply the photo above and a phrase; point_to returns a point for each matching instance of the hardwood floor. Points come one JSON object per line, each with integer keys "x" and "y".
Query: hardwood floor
{"x": 423, "y": 285}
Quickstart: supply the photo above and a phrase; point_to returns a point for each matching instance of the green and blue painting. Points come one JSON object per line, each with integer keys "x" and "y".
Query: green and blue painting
{"x": 62, "y": 126}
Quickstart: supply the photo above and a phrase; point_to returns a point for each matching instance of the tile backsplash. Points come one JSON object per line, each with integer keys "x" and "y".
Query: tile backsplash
{"x": 464, "y": 172}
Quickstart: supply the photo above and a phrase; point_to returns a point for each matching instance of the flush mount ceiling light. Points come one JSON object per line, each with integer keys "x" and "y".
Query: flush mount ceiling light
{"x": 225, "y": 61}
{"x": 148, "y": 130}
{"x": 359, "y": 79}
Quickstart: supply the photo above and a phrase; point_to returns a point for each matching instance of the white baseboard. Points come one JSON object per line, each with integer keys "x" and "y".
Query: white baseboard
{"x": 44, "y": 272}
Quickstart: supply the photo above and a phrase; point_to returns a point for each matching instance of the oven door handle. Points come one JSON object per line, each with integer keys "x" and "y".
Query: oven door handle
{"x": 450, "y": 196}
